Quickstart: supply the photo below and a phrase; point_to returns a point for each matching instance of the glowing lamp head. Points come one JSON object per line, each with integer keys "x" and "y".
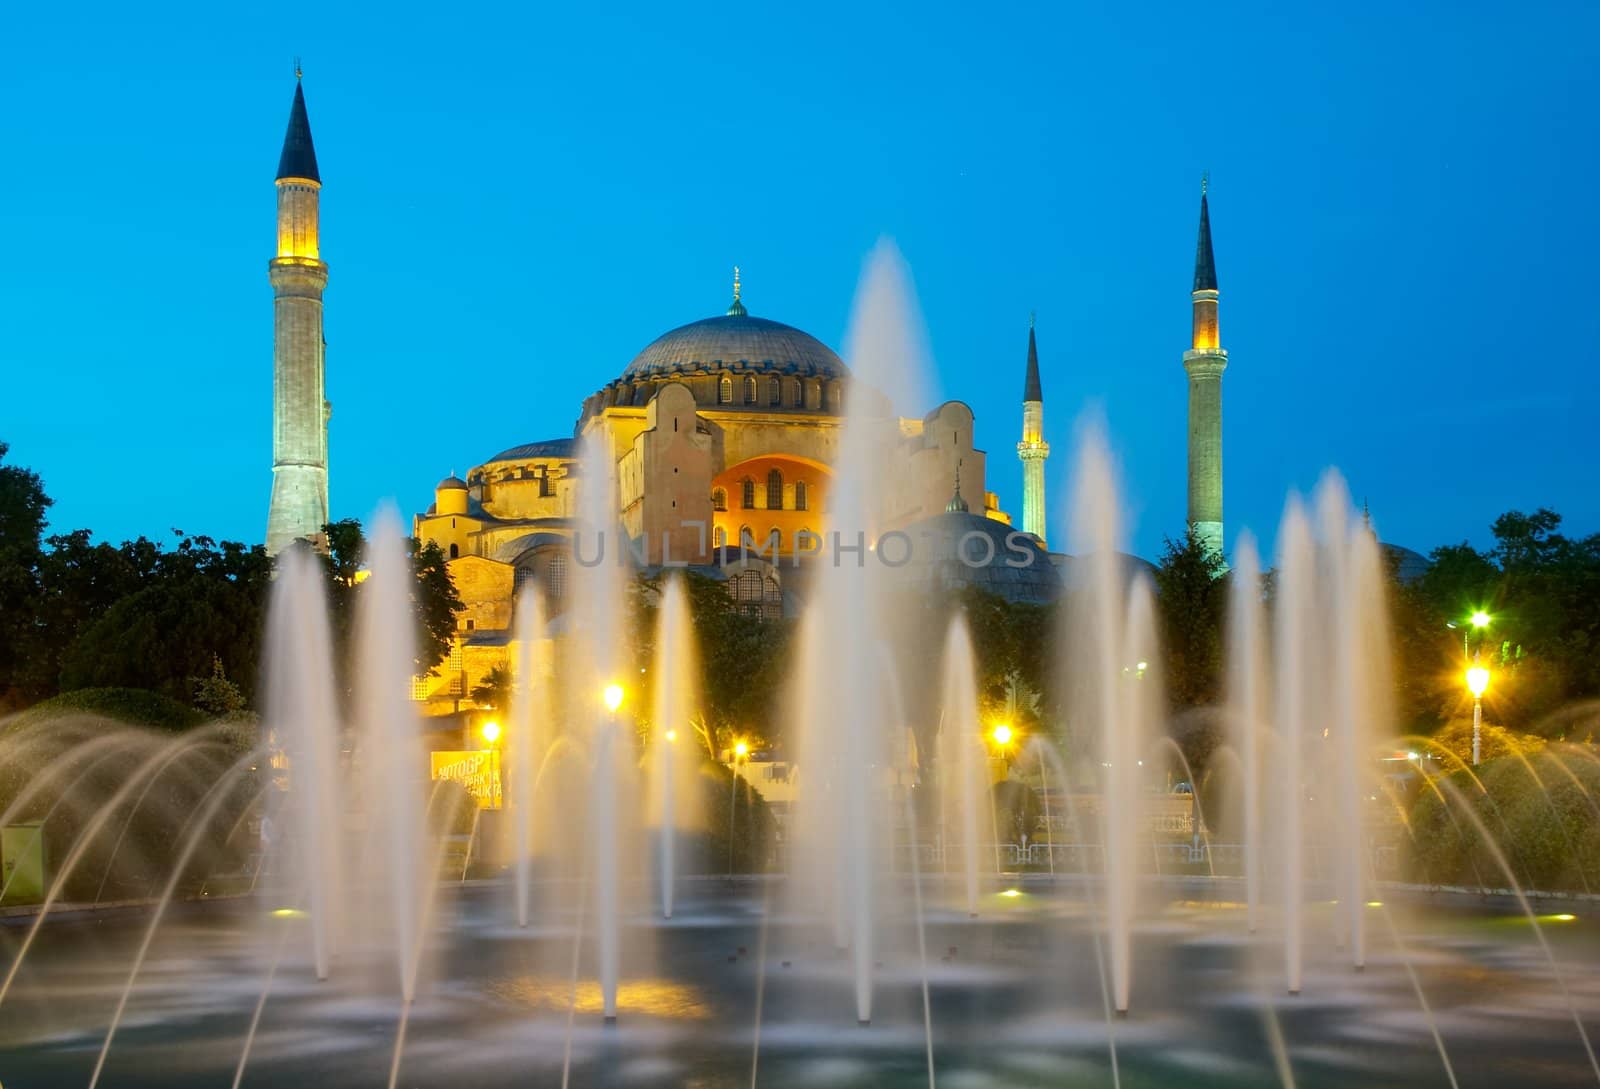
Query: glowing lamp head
{"x": 1477, "y": 680}
{"x": 612, "y": 696}
{"x": 672, "y": 735}
{"x": 741, "y": 749}
{"x": 491, "y": 731}
{"x": 1001, "y": 734}
{"x": 1480, "y": 619}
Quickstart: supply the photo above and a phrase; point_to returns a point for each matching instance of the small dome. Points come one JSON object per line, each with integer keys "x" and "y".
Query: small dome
{"x": 959, "y": 549}
{"x": 451, "y": 483}
{"x": 736, "y": 342}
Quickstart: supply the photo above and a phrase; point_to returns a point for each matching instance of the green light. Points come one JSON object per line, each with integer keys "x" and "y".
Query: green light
{"x": 1480, "y": 619}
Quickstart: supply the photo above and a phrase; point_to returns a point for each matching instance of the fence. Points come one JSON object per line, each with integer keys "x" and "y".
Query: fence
{"x": 1221, "y": 859}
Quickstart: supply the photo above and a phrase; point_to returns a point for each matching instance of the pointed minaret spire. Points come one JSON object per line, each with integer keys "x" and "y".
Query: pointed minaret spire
{"x": 1205, "y": 265}
{"x": 1032, "y": 450}
{"x": 1031, "y": 389}
{"x": 299, "y": 157}
{"x": 1205, "y": 361}
{"x": 736, "y": 309}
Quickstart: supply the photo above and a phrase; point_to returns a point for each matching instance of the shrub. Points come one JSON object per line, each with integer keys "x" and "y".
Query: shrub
{"x": 132, "y": 706}
{"x": 1543, "y": 815}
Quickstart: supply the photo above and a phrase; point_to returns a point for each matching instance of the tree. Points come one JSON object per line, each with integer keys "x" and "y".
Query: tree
{"x": 495, "y": 689}
{"x": 1191, "y": 599}
{"x": 204, "y": 602}
{"x": 23, "y": 503}
{"x": 216, "y": 695}
{"x": 744, "y": 660}
{"x": 434, "y": 600}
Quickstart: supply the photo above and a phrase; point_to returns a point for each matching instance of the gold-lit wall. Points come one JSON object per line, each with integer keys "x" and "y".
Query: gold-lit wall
{"x": 799, "y": 478}
{"x": 297, "y": 218}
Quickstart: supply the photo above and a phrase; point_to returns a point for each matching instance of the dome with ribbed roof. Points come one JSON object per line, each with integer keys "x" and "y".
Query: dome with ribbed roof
{"x": 739, "y": 343}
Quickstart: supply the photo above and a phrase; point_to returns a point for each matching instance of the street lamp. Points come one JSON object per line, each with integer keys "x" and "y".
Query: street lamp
{"x": 613, "y": 697}
{"x": 741, "y": 751}
{"x": 1001, "y": 734}
{"x": 1477, "y": 683}
{"x": 1480, "y": 619}
{"x": 491, "y": 737}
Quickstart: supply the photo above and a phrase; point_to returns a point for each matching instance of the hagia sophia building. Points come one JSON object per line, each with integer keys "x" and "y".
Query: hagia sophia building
{"x": 723, "y": 432}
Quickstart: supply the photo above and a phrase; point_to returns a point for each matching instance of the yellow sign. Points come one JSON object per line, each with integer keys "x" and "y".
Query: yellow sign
{"x": 478, "y": 771}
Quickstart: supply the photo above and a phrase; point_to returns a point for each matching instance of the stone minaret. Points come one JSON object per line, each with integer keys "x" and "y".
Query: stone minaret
{"x": 299, "y": 507}
{"x": 1033, "y": 449}
{"x": 1205, "y": 361}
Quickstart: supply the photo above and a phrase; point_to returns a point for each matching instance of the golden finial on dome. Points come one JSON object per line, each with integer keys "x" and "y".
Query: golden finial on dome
{"x": 736, "y": 308}
{"x": 298, "y": 74}
{"x": 1205, "y": 179}
{"x": 735, "y": 283}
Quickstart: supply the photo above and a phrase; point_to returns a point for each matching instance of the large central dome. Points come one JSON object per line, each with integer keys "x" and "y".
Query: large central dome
{"x": 735, "y": 342}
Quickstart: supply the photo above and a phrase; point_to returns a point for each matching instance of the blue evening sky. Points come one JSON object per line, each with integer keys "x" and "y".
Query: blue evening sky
{"x": 1403, "y": 201}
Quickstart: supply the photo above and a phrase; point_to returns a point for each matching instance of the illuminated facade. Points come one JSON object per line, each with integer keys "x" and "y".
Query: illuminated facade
{"x": 719, "y": 434}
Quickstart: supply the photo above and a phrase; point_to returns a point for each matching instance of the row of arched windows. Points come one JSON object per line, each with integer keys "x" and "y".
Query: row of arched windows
{"x": 750, "y": 390}
{"x": 747, "y": 537}
{"x": 747, "y": 496}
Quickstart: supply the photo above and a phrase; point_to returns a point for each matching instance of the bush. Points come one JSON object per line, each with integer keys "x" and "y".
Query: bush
{"x": 132, "y": 706}
{"x": 1549, "y": 834}
{"x": 753, "y": 823}
{"x": 1494, "y": 741}
{"x": 71, "y": 771}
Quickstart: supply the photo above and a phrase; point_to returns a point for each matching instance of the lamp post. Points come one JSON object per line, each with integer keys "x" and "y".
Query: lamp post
{"x": 740, "y": 750}
{"x": 491, "y": 737}
{"x": 1477, "y": 683}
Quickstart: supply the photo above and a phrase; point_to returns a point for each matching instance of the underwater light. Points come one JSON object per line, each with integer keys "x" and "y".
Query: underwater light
{"x": 288, "y": 913}
{"x": 1011, "y": 894}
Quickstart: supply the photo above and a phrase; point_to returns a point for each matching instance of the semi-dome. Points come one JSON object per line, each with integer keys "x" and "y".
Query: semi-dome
{"x": 958, "y": 549}
{"x": 735, "y": 342}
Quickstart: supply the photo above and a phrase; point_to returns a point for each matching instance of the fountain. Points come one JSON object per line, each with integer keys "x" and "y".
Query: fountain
{"x": 962, "y": 757}
{"x": 672, "y": 761}
{"x": 281, "y": 913}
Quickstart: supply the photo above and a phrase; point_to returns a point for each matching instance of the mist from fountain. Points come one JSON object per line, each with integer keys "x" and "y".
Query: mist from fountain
{"x": 389, "y": 756}
{"x": 531, "y": 734}
{"x": 1113, "y": 688}
{"x": 595, "y": 696}
{"x": 963, "y": 760}
{"x": 847, "y": 733}
{"x": 673, "y": 754}
{"x": 302, "y": 713}
{"x": 1247, "y": 704}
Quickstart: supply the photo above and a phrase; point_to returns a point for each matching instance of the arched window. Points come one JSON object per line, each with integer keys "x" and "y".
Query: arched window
{"x": 719, "y": 499}
{"x": 725, "y": 391}
{"x": 719, "y": 538}
{"x": 556, "y": 576}
{"x": 746, "y": 537}
{"x": 797, "y": 393}
{"x": 774, "y": 490}
{"x": 800, "y": 495}
{"x": 774, "y": 392}
{"x": 455, "y": 552}
{"x": 749, "y": 390}
{"x": 748, "y": 487}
